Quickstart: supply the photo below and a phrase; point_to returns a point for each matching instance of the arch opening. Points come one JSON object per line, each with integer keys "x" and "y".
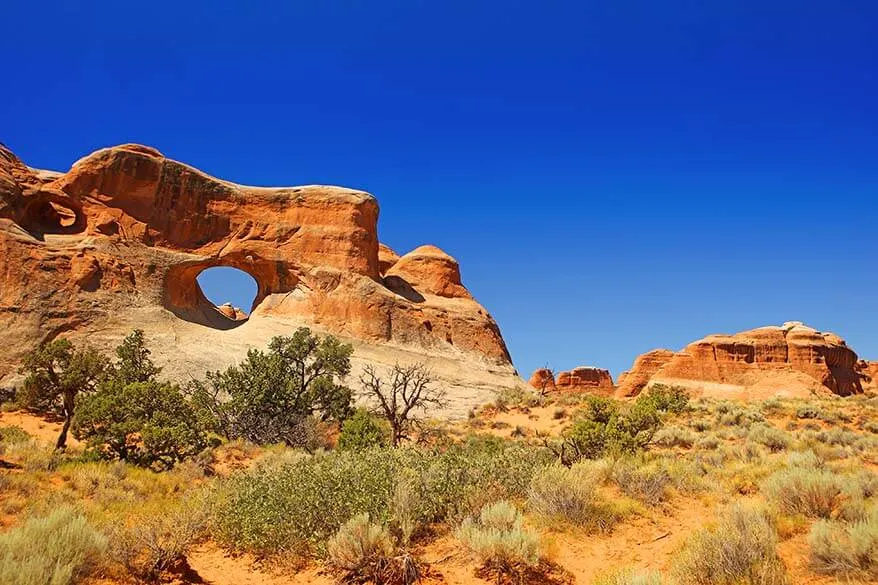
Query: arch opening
{"x": 231, "y": 291}
{"x": 50, "y": 217}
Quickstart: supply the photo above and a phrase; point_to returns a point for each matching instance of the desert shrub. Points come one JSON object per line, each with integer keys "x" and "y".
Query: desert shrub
{"x": 647, "y": 483}
{"x": 60, "y": 549}
{"x": 11, "y": 435}
{"x": 145, "y": 423}
{"x": 674, "y": 437}
{"x": 739, "y": 550}
{"x": 517, "y": 396}
{"x": 156, "y": 538}
{"x": 360, "y": 549}
{"x": 733, "y": 415}
{"x": 602, "y": 428}
{"x": 673, "y": 399}
{"x": 700, "y": 425}
{"x": 567, "y": 494}
{"x": 838, "y": 437}
{"x": 871, "y": 426}
{"x": 707, "y": 443}
{"x": 498, "y": 540}
{"x": 272, "y": 396}
{"x": 362, "y": 431}
{"x": 808, "y": 412}
{"x": 772, "y": 406}
{"x": 467, "y": 476}
{"x": 805, "y": 459}
{"x": 775, "y": 439}
{"x": 867, "y": 482}
{"x": 407, "y": 505}
{"x": 801, "y": 490}
{"x": 848, "y": 550}
{"x": 630, "y": 576}
{"x": 295, "y": 506}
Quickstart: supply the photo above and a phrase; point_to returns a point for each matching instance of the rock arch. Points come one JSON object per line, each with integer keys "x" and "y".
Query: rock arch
{"x": 183, "y": 295}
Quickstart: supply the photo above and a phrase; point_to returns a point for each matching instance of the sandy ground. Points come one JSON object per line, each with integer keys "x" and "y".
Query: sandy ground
{"x": 43, "y": 428}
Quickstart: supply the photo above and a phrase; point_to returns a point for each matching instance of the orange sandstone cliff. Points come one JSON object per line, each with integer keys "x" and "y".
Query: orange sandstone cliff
{"x": 792, "y": 360}
{"x": 118, "y": 241}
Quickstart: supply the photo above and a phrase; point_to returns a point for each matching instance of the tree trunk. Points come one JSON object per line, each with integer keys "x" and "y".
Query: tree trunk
{"x": 68, "y": 419}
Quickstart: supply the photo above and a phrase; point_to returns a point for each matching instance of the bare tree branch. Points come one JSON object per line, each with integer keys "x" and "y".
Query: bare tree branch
{"x": 410, "y": 389}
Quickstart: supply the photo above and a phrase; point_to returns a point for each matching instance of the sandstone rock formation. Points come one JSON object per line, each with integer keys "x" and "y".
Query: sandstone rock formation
{"x": 118, "y": 241}
{"x": 869, "y": 375}
{"x": 543, "y": 380}
{"x": 645, "y": 367}
{"x": 581, "y": 379}
{"x": 791, "y": 360}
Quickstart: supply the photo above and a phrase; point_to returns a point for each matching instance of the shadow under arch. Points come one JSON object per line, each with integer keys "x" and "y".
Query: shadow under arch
{"x": 50, "y": 214}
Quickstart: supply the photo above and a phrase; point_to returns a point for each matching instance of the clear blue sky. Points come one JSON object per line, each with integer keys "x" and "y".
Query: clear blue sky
{"x": 613, "y": 176}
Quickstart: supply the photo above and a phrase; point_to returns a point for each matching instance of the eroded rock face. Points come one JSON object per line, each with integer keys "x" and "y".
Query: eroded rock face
{"x": 582, "y": 379}
{"x": 118, "y": 241}
{"x": 790, "y": 360}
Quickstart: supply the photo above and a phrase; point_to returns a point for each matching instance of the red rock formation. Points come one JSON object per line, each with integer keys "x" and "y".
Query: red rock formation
{"x": 386, "y": 258}
{"x": 581, "y": 379}
{"x": 429, "y": 269}
{"x": 645, "y": 367}
{"x": 543, "y": 380}
{"x": 792, "y": 360}
{"x": 120, "y": 239}
{"x": 868, "y": 375}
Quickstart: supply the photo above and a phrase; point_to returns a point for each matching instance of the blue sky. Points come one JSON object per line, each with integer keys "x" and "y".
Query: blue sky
{"x": 613, "y": 176}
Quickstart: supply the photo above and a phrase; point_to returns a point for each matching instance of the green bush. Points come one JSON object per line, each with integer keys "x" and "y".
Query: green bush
{"x": 739, "y": 550}
{"x": 602, "y": 428}
{"x": 60, "y": 549}
{"x": 673, "y": 399}
{"x": 11, "y": 435}
{"x": 363, "y": 431}
{"x": 145, "y": 423}
{"x": 295, "y": 506}
{"x": 846, "y": 550}
{"x": 498, "y": 540}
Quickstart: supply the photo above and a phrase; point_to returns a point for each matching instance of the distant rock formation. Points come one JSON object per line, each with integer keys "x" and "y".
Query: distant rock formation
{"x": 118, "y": 241}
{"x": 581, "y": 379}
{"x": 791, "y": 360}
